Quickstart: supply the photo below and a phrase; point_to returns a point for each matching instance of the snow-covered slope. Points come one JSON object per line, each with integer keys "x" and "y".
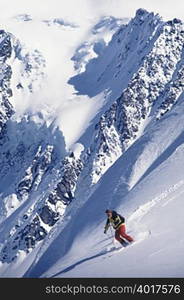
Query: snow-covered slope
{"x": 152, "y": 208}
{"x": 122, "y": 102}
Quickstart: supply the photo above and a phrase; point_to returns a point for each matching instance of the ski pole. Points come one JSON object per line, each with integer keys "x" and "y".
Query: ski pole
{"x": 112, "y": 235}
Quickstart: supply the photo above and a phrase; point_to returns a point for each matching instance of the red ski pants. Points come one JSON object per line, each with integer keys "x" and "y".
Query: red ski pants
{"x": 120, "y": 233}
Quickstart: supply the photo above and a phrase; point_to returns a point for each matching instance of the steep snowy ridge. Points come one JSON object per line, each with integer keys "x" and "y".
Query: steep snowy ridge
{"x": 38, "y": 217}
{"x": 140, "y": 74}
{"x": 159, "y": 79}
{"x": 121, "y": 58}
{"x": 6, "y": 108}
{"x": 99, "y": 39}
{"x": 174, "y": 90}
{"x": 29, "y": 149}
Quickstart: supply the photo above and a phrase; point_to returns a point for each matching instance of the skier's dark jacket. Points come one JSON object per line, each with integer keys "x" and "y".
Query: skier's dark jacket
{"x": 116, "y": 220}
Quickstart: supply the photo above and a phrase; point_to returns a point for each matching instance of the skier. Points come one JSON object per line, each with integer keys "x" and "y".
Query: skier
{"x": 118, "y": 223}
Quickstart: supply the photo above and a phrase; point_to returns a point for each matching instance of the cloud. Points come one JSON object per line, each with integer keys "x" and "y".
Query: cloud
{"x": 45, "y": 8}
{"x": 168, "y": 9}
{"x": 82, "y": 9}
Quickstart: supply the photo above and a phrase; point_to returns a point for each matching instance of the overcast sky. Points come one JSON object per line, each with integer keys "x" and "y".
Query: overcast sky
{"x": 80, "y": 9}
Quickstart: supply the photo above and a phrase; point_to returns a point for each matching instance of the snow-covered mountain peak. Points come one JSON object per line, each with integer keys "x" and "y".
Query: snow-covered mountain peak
{"x": 59, "y": 22}
{"x": 128, "y": 46}
{"x": 23, "y": 18}
{"x": 108, "y": 23}
{"x": 142, "y": 13}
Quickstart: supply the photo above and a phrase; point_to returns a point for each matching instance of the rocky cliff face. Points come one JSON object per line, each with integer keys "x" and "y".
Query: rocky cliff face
{"x": 37, "y": 221}
{"x": 6, "y": 109}
{"x": 152, "y": 90}
{"x": 41, "y": 176}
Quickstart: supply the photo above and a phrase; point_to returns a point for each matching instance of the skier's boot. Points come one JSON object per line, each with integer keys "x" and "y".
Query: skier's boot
{"x": 131, "y": 242}
{"x": 124, "y": 243}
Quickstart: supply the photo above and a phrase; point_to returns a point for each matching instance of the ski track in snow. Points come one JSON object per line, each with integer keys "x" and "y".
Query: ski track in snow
{"x": 135, "y": 219}
{"x": 108, "y": 252}
{"x": 144, "y": 209}
{"x": 104, "y": 254}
